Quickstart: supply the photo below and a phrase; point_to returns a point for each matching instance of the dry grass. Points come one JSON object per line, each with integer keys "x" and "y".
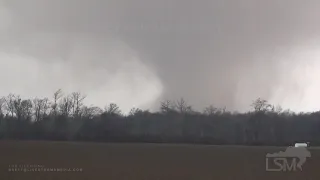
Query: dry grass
{"x": 146, "y": 162}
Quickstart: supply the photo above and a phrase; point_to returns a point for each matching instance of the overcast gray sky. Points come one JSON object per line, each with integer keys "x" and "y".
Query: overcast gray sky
{"x": 137, "y": 52}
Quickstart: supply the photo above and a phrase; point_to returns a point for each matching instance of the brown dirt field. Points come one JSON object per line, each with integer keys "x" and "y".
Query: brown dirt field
{"x": 146, "y": 162}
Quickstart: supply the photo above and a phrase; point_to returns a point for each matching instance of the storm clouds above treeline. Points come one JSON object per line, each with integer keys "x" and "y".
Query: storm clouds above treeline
{"x": 137, "y": 53}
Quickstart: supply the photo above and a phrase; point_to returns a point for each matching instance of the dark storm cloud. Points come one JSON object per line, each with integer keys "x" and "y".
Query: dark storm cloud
{"x": 208, "y": 51}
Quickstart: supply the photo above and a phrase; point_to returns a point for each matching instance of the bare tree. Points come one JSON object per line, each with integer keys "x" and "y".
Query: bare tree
{"x": 26, "y": 106}
{"x": 183, "y": 107}
{"x": 112, "y": 109}
{"x": 41, "y": 107}
{"x": 261, "y": 105}
{"x": 90, "y": 112}
{"x": 167, "y": 106}
{"x": 9, "y": 104}
{"x": 211, "y": 110}
{"x": 2, "y": 105}
{"x": 66, "y": 105}
{"x": 77, "y": 99}
{"x": 139, "y": 112}
{"x": 135, "y": 111}
{"x": 56, "y": 97}
{"x": 22, "y": 108}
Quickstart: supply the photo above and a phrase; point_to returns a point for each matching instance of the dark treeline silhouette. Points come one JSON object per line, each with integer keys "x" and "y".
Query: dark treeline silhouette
{"x": 65, "y": 117}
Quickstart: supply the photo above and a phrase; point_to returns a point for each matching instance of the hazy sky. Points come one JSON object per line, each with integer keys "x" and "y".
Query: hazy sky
{"x": 137, "y": 52}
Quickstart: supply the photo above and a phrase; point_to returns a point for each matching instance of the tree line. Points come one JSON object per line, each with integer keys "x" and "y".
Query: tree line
{"x": 65, "y": 117}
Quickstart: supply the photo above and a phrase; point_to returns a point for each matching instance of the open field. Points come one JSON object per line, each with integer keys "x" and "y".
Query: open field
{"x": 146, "y": 161}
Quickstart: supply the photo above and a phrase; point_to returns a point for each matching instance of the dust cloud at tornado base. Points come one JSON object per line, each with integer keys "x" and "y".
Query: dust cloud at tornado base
{"x": 136, "y": 53}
